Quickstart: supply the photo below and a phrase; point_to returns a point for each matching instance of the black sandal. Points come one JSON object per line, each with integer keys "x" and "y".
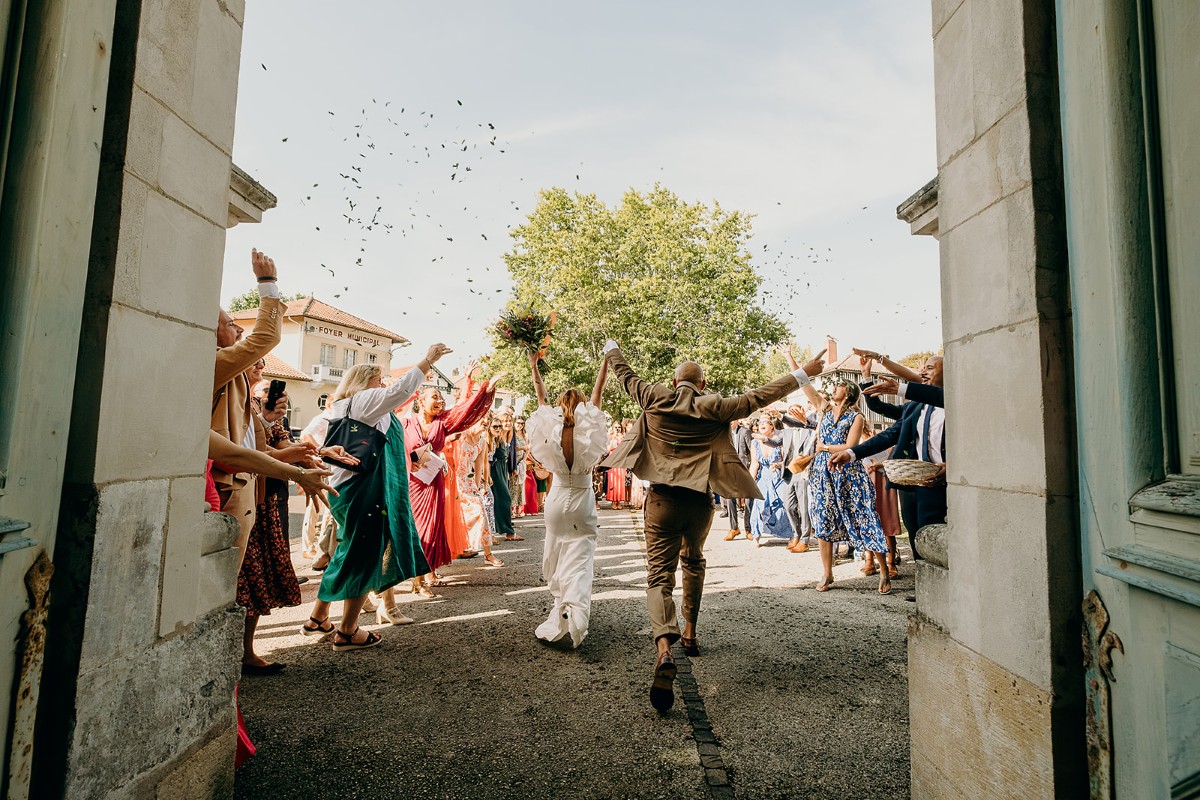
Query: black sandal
{"x": 320, "y": 630}
{"x": 349, "y": 643}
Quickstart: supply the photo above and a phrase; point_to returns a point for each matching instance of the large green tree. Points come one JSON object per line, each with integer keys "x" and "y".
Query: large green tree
{"x": 668, "y": 279}
{"x": 250, "y": 299}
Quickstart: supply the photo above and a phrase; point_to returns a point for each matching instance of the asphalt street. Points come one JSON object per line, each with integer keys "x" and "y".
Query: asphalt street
{"x": 796, "y": 693}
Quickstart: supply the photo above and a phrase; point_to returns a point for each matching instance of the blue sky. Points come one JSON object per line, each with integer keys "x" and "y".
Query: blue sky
{"x": 816, "y": 117}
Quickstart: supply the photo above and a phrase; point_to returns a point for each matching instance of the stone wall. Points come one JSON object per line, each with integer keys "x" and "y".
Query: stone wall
{"x": 144, "y": 639}
{"x": 999, "y": 630}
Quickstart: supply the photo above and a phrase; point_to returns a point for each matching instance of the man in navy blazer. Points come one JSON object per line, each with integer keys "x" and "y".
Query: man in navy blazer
{"x": 918, "y": 433}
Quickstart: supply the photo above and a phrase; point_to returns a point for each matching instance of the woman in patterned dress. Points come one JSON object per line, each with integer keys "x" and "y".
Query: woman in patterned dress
{"x": 472, "y": 474}
{"x": 516, "y": 462}
{"x": 768, "y": 516}
{"x": 841, "y": 501}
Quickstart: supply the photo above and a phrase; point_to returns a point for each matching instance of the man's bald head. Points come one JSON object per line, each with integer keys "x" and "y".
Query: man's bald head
{"x": 691, "y": 372}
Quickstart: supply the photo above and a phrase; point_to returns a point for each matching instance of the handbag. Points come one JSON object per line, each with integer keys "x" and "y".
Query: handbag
{"x": 364, "y": 442}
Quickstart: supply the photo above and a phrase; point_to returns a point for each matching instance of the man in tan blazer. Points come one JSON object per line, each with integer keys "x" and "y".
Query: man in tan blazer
{"x": 681, "y": 445}
{"x": 231, "y": 389}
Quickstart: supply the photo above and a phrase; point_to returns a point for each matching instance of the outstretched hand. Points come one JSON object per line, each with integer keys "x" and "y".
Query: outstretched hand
{"x": 864, "y": 367}
{"x": 499, "y": 376}
{"x": 263, "y": 265}
{"x": 816, "y": 365}
{"x": 339, "y": 454}
{"x": 936, "y": 479}
{"x": 435, "y": 352}
{"x": 838, "y": 460}
{"x": 882, "y": 386}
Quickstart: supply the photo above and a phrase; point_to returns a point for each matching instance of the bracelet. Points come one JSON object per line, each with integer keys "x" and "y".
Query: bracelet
{"x": 268, "y": 279}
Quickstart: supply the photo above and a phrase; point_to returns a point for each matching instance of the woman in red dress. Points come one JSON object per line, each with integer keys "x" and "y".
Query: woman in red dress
{"x": 428, "y": 425}
{"x": 616, "y": 492}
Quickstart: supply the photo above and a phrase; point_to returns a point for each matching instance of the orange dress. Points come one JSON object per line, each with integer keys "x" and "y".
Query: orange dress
{"x": 456, "y": 525}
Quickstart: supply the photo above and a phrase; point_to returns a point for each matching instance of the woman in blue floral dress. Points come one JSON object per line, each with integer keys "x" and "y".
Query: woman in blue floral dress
{"x": 768, "y": 517}
{"x": 841, "y": 501}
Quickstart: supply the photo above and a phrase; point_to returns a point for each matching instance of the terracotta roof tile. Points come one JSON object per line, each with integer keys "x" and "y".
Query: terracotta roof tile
{"x": 312, "y": 308}
{"x": 278, "y": 368}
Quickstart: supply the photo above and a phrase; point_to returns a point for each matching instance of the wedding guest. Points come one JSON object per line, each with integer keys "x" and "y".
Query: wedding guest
{"x": 377, "y": 549}
{"x": 517, "y": 456}
{"x": 615, "y": 491}
{"x": 267, "y": 580}
{"x": 841, "y": 501}
{"x": 231, "y": 390}
{"x": 767, "y": 514}
{"x": 739, "y": 432}
{"x": 798, "y": 448}
{"x": 501, "y": 431}
{"x": 531, "y": 487}
{"x": 458, "y": 537}
{"x": 471, "y": 474}
{"x": 427, "y": 427}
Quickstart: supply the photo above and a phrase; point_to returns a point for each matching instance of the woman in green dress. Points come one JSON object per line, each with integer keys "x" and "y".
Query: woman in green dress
{"x": 501, "y": 428}
{"x": 378, "y": 544}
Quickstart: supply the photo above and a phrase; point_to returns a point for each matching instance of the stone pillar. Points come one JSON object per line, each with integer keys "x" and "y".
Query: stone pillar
{"x": 997, "y": 632}
{"x": 143, "y": 637}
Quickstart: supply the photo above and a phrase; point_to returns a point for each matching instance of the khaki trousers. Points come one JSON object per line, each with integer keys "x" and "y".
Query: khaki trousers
{"x": 676, "y": 523}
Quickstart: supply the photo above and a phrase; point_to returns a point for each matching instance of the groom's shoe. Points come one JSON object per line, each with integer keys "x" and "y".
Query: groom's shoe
{"x": 733, "y": 534}
{"x": 662, "y": 691}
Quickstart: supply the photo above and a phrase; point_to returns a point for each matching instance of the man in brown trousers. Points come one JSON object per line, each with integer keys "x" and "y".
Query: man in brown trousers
{"x": 231, "y": 389}
{"x": 681, "y": 445}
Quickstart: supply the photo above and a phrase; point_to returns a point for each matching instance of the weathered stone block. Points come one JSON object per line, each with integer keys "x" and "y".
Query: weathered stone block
{"x": 993, "y": 741}
{"x": 182, "y": 686}
{"x": 218, "y": 531}
{"x": 166, "y": 50}
{"x": 143, "y": 149}
{"x": 127, "y": 553}
{"x": 207, "y": 774}
{"x": 215, "y": 80}
{"x": 987, "y": 528}
{"x": 988, "y": 265}
{"x": 142, "y": 407}
{"x": 933, "y": 594}
{"x": 179, "y": 250}
{"x": 953, "y": 84}
{"x": 942, "y": 11}
{"x": 1009, "y": 389}
{"x": 218, "y": 580}
{"x": 997, "y": 59}
{"x": 992, "y": 167}
{"x": 181, "y": 555}
{"x": 194, "y": 172}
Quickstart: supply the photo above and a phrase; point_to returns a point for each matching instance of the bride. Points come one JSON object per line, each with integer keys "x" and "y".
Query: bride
{"x": 569, "y": 439}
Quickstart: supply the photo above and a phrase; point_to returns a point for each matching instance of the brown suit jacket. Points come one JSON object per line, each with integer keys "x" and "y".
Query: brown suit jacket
{"x": 682, "y": 437}
{"x": 231, "y": 390}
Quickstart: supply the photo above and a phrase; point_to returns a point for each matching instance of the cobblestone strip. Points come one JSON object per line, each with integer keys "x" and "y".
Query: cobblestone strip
{"x": 716, "y": 776}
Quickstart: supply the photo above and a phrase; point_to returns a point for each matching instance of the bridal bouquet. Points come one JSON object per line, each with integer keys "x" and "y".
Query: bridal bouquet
{"x": 527, "y": 328}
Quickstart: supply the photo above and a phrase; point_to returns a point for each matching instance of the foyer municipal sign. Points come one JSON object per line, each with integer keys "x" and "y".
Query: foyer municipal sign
{"x": 345, "y": 333}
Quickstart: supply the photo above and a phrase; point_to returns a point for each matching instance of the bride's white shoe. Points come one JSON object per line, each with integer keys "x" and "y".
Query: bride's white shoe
{"x": 393, "y": 615}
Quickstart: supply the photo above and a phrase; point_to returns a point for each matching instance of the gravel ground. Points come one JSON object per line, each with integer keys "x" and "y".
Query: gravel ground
{"x": 804, "y": 692}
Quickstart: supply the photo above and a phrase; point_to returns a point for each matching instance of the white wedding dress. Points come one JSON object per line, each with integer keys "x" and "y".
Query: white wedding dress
{"x": 571, "y": 521}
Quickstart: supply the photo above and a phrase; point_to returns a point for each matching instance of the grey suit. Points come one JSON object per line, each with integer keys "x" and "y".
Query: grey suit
{"x": 798, "y": 441}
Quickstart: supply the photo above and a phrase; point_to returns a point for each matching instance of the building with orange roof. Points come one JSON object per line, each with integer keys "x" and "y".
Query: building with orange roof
{"x": 319, "y": 342}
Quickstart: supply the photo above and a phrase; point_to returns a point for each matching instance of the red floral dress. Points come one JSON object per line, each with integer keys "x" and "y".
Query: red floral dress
{"x": 267, "y": 579}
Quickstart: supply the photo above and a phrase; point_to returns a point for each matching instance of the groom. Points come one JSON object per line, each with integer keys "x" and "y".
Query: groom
{"x": 681, "y": 445}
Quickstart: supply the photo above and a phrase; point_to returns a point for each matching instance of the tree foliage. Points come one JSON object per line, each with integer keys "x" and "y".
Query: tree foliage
{"x": 250, "y": 300}
{"x": 669, "y": 280}
{"x": 913, "y": 360}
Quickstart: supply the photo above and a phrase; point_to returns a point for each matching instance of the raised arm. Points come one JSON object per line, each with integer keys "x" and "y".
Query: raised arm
{"x": 601, "y": 379}
{"x": 240, "y": 356}
{"x": 372, "y": 405}
{"x": 894, "y": 367}
{"x": 815, "y": 397}
{"x": 539, "y": 387}
{"x": 638, "y": 389}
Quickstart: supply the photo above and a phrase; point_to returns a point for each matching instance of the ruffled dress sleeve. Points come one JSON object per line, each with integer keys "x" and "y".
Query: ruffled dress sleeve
{"x": 469, "y": 410}
{"x": 543, "y": 432}
{"x": 591, "y": 436}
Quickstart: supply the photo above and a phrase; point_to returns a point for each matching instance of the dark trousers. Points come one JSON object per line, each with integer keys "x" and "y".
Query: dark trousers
{"x": 731, "y": 507}
{"x": 795, "y": 502}
{"x": 921, "y": 506}
{"x": 676, "y": 525}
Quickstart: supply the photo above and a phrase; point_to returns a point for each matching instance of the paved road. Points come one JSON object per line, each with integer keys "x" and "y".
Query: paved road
{"x": 797, "y": 694}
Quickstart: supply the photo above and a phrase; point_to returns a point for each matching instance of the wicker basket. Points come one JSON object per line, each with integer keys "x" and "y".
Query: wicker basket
{"x": 908, "y": 472}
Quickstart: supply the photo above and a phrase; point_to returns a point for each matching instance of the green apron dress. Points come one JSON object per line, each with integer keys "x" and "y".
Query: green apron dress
{"x": 378, "y": 544}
